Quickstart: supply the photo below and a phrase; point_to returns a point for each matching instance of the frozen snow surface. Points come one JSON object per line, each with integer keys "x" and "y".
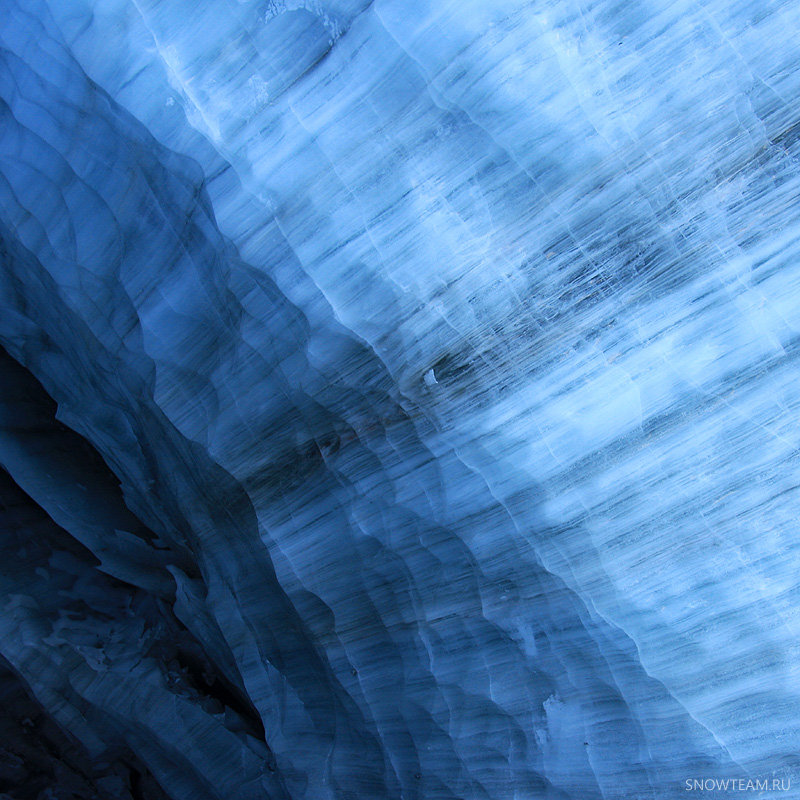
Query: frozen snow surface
{"x": 399, "y": 399}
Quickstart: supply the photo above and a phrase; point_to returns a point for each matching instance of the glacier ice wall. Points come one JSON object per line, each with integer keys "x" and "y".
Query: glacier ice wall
{"x": 398, "y": 399}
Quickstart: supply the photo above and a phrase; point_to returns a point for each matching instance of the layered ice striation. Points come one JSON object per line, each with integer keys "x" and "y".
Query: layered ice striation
{"x": 399, "y": 399}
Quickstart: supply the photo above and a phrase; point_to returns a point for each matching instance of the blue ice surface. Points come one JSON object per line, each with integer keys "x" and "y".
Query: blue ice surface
{"x": 445, "y": 354}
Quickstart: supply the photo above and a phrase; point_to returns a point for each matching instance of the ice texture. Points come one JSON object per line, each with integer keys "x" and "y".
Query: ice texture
{"x": 399, "y": 399}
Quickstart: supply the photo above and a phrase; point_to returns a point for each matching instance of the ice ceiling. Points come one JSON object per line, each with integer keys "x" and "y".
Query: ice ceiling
{"x": 399, "y": 399}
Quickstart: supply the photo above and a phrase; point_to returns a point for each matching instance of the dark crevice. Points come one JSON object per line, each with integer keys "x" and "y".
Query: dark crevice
{"x": 47, "y": 757}
{"x": 40, "y": 760}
